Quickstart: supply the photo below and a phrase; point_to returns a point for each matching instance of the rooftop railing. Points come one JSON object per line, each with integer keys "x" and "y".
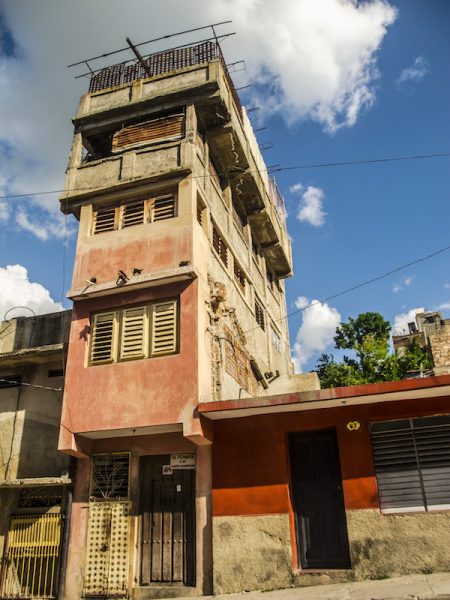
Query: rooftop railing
{"x": 162, "y": 63}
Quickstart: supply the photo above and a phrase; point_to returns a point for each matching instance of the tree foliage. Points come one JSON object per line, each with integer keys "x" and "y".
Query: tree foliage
{"x": 368, "y": 337}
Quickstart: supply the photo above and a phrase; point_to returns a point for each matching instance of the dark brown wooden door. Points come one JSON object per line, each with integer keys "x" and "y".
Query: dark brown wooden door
{"x": 318, "y": 501}
{"x": 168, "y": 523}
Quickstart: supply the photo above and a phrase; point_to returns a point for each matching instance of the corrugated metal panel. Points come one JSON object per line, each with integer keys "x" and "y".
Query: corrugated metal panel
{"x": 107, "y": 549}
{"x": 164, "y": 128}
{"x": 31, "y": 560}
{"x": 164, "y": 328}
{"x": 412, "y": 463}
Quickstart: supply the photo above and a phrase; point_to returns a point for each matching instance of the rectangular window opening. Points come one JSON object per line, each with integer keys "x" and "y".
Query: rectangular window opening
{"x": 412, "y": 463}
{"x": 219, "y": 246}
{"x": 259, "y": 315}
{"x": 110, "y": 477}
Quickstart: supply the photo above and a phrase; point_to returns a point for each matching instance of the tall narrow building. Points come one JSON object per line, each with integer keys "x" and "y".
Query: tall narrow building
{"x": 178, "y": 298}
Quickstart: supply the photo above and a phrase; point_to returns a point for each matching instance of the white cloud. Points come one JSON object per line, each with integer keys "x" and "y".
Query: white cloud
{"x": 18, "y": 290}
{"x": 312, "y": 60}
{"x": 402, "y": 283}
{"x": 310, "y": 207}
{"x": 316, "y": 332}
{"x": 414, "y": 73}
{"x": 53, "y": 226}
{"x": 447, "y": 286}
{"x": 444, "y": 306}
{"x": 400, "y": 325}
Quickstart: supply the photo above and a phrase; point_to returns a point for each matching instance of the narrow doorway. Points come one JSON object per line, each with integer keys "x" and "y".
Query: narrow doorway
{"x": 168, "y": 523}
{"x": 318, "y": 501}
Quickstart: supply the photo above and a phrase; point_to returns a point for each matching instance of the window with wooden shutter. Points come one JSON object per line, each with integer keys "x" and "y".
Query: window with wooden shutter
{"x": 135, "y": 332}
{"x": 133, "y": 339}
{"x": 412, "y": 463}
{"x": 157, "y": 130}
{"x": 164, "y": 207}
{"x": 164, "y": 328}
{"x": 133, "y": 213}
{"x": 259, "y": 315}
{"x": 239, "y": 275}
{"x": 219, "y": 246}
{"x": 103, "y": 338}
{"x": 105, "y": 219}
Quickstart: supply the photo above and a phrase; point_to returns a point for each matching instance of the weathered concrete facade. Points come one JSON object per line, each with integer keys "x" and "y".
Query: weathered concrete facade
{"x": 431, "y": 331}
{"x": 34, "y": 476}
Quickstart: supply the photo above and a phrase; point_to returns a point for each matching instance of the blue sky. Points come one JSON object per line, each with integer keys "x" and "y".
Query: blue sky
{"x": 374, "y": 217}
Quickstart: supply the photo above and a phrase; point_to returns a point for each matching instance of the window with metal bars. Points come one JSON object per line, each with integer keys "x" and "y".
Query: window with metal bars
{"x": 412, "y": 463}
{"x": 135, "y": 332}
{"x": 259, "y": 315}
{"x": 110, "y": 477}
{"x": 135, "y": 212}
{"x": 219, "y": 246}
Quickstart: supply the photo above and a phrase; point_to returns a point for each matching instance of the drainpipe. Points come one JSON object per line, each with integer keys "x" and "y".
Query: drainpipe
{"x": 65, "y": 546}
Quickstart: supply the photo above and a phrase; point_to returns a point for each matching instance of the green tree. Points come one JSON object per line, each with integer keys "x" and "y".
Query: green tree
{"x": 368, "y": 336}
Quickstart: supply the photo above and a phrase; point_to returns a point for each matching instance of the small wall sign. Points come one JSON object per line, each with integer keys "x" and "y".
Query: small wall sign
{"x": 167, "y": 470}
{"x": 182, "y": 461}
{"x": 353, "y": 425}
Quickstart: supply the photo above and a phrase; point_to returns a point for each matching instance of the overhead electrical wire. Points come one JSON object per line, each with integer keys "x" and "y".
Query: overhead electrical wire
{"x": 275, "y": 170}
{"x": 358, "y": 285}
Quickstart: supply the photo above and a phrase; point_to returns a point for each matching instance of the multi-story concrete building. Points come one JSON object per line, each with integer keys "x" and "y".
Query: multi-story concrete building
{"x": 178, "y": 291}
{"x": 34, "y": 477}
{"x": 431, "y": 331}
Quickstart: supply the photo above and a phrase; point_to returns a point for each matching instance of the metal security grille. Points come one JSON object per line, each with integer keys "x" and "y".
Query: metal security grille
{"x": 110, "y": 473}
{"x": 106, "y": 571}
{"x": 31, "y": 562}
{"x": 412, "y": 463}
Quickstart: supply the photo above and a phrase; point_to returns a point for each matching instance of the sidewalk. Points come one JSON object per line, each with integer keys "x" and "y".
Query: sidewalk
{"x": 408, "y": 587}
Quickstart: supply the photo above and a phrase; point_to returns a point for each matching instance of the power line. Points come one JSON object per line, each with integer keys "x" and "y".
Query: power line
{"x": 358, "y": 285}
{"x": 34, "y": 385}
{"x": 273, "y": 170}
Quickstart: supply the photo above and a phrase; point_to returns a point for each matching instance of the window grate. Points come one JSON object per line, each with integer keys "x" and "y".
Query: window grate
{"x": 239, "y": 275}
{"x": 259, "y": 315}
{"x": 412, "y": 463}
{"x": 110, "y": 475}
{"x": 220, "y": 247}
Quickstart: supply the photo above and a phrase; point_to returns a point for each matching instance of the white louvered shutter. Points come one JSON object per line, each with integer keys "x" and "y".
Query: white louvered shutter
{"x": 105, "y": 219}
{"x": 164, "y": 328}
{"x": 103, "y": 333}
{"x": 164, "y": 207}
{"x": 134, "y": 326}
{"x": 133, "y": 213}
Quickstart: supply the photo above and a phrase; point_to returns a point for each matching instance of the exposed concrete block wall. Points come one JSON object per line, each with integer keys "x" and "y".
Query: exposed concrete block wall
{"x": 439, "y": 342}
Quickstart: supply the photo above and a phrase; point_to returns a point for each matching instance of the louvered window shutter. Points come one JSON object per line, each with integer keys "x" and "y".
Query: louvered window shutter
{"x": 163, "y": 208}
{"x": 412, "y": 464}
{"x": 103, "y": 334}
{"x": 133, "y": 213}
{"x": 105, "y": 219}
{"x": 134, "y": 328}
{"x": 164, "y": 328}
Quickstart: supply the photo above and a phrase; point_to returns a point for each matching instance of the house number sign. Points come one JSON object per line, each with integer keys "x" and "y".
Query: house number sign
{"x": 353, "y": 425}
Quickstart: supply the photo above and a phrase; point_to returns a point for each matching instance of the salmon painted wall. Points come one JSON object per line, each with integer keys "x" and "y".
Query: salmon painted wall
{"x": 151, "y": 247}
{"x": 251, "y": 458}
{"x": 133, "y": 393}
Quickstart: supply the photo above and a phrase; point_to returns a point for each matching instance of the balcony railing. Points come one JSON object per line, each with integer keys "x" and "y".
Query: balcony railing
{"x": 277, "y": 199}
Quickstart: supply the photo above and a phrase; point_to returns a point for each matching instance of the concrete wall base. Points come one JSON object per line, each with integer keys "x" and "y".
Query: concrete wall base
{"x": 251, "y": 553}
